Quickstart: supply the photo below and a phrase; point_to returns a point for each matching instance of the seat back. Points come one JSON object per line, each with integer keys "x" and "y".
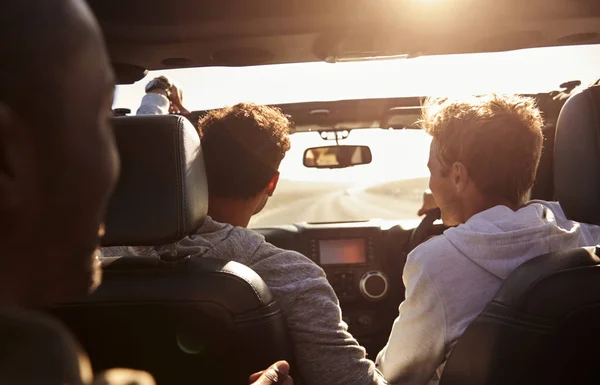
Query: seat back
{"x": 185, "y": 320}
{"x": 190, "y": 321}
{"x": 577, "y": 156}
{"x": 541, "y": 327}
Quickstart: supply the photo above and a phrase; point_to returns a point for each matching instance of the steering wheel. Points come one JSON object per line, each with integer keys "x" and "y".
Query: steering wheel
{"x": 424, "y": 229}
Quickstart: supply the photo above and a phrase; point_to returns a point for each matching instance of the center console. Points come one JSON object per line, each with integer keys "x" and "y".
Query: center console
{"x": 350, "y": 264}
{"x": 354, "y": 258}
{"x": 361, "y": 267}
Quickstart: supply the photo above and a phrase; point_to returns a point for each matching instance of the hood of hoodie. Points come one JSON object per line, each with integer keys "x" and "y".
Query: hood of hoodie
{"x": 500, "y": 239}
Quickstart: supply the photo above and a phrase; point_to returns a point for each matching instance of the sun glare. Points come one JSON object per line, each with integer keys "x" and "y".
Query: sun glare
{"x": 399, "y": 164}
{"x": 524, "y": 71}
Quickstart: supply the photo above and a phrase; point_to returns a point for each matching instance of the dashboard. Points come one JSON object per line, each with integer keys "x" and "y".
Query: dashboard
{"x": 363, "y": 262}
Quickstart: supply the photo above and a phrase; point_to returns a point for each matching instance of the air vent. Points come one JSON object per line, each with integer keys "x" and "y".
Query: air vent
{"x": 241, "y": 56}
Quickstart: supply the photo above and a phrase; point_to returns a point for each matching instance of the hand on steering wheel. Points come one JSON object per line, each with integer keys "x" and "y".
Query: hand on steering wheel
{"x": 429, "y": 203}
{"x": 425, "y": 228}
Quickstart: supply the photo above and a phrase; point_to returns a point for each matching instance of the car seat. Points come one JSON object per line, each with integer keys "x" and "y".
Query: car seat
{"x": 185, "y": 320}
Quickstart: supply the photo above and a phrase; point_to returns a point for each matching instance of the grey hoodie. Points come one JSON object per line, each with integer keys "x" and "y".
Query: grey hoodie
{"x": 451, "y": 278}
{"x": 325, "y": 352}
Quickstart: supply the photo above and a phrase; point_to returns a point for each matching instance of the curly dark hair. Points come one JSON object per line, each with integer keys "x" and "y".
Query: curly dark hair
{"x": 243, "y": 146}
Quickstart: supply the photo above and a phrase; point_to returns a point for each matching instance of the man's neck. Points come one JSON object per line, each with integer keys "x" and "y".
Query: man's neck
{"x": 236, "y": 212}
{"x": 480, "y": 204}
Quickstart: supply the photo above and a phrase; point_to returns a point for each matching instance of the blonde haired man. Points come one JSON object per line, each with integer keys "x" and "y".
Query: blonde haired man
{"x": 483, "y": 160}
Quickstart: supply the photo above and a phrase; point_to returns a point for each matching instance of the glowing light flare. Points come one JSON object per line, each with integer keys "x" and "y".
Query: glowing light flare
{"x": 427, "y": 12}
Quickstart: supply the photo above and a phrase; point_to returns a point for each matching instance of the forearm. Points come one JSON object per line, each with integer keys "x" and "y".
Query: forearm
{"x": 154, "y": 103}
{"x": 333, "y": 360}
{"x": 325, "y": 352}
{"x": 417, "y": 343}
{"x": 411, "y": 356}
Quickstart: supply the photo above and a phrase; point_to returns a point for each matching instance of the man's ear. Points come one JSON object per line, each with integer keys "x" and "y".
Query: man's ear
{"x": 273, "y": 184}
{"x": 11, "y": 158}
{"x": 460, "y": 177}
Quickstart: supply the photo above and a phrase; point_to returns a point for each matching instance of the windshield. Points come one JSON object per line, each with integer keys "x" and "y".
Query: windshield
{"x": 392, "y": 185}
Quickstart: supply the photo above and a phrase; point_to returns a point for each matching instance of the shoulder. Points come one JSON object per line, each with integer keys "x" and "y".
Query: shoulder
{"x": 555, "y": 207}
{"x": 209, "y": 225}
{"x": 430, "y": 252}
{"x": 435, "y": 261}
{"x": 287, "y": 271}
{"x": 288, "y": 259}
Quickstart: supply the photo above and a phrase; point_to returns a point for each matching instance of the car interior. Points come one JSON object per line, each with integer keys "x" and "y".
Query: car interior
{"x": 182, "y": 318}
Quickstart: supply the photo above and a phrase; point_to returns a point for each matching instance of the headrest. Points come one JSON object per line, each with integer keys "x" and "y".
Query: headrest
{"x": 577, "y": 157}
{"x": 161, "y": 195}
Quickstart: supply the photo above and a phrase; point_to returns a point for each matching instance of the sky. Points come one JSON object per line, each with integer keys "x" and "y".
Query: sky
{"x": 522, "y": 71}
{"x": 396, "y": 155}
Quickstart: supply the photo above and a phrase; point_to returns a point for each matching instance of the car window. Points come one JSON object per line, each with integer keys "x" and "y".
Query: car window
{"x": 524, "y": 71}
{"x": 390, "y": 187}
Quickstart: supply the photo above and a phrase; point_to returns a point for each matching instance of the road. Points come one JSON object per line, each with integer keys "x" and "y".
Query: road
{"x": 342, "y": 204}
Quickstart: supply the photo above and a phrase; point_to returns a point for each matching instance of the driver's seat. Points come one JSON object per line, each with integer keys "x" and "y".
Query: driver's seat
{"x": 542, "y": 325}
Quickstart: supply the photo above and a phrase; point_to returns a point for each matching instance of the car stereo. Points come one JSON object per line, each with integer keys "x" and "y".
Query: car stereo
{"x": 344, "y": 251}
{"x": 350, "y": 265}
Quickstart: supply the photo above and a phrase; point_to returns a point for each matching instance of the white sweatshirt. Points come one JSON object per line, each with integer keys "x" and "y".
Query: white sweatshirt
{"x": 154, "y": 104}
{"x": 452, "y": 277}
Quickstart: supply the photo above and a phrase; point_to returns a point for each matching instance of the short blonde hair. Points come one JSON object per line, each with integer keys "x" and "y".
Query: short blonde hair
{"x": 497, "y": 137}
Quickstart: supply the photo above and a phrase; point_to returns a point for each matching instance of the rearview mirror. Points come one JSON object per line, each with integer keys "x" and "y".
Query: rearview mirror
{"x": 337, "y": 156}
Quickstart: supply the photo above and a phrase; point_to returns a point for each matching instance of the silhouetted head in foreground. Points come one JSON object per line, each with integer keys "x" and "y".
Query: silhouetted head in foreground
{"x": 58, "y": 161}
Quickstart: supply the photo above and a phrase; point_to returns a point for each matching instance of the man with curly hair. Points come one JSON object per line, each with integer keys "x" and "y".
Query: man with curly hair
{"x": 242, "y": 147}
{"x": 483, "y": 160}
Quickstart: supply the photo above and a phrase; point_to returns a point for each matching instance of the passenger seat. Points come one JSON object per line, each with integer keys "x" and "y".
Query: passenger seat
{"x": 185, "y": 320}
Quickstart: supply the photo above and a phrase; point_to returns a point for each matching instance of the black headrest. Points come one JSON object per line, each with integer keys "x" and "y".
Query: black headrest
{"x": 577, "y": 156}
{"x": 162, "y": 194}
